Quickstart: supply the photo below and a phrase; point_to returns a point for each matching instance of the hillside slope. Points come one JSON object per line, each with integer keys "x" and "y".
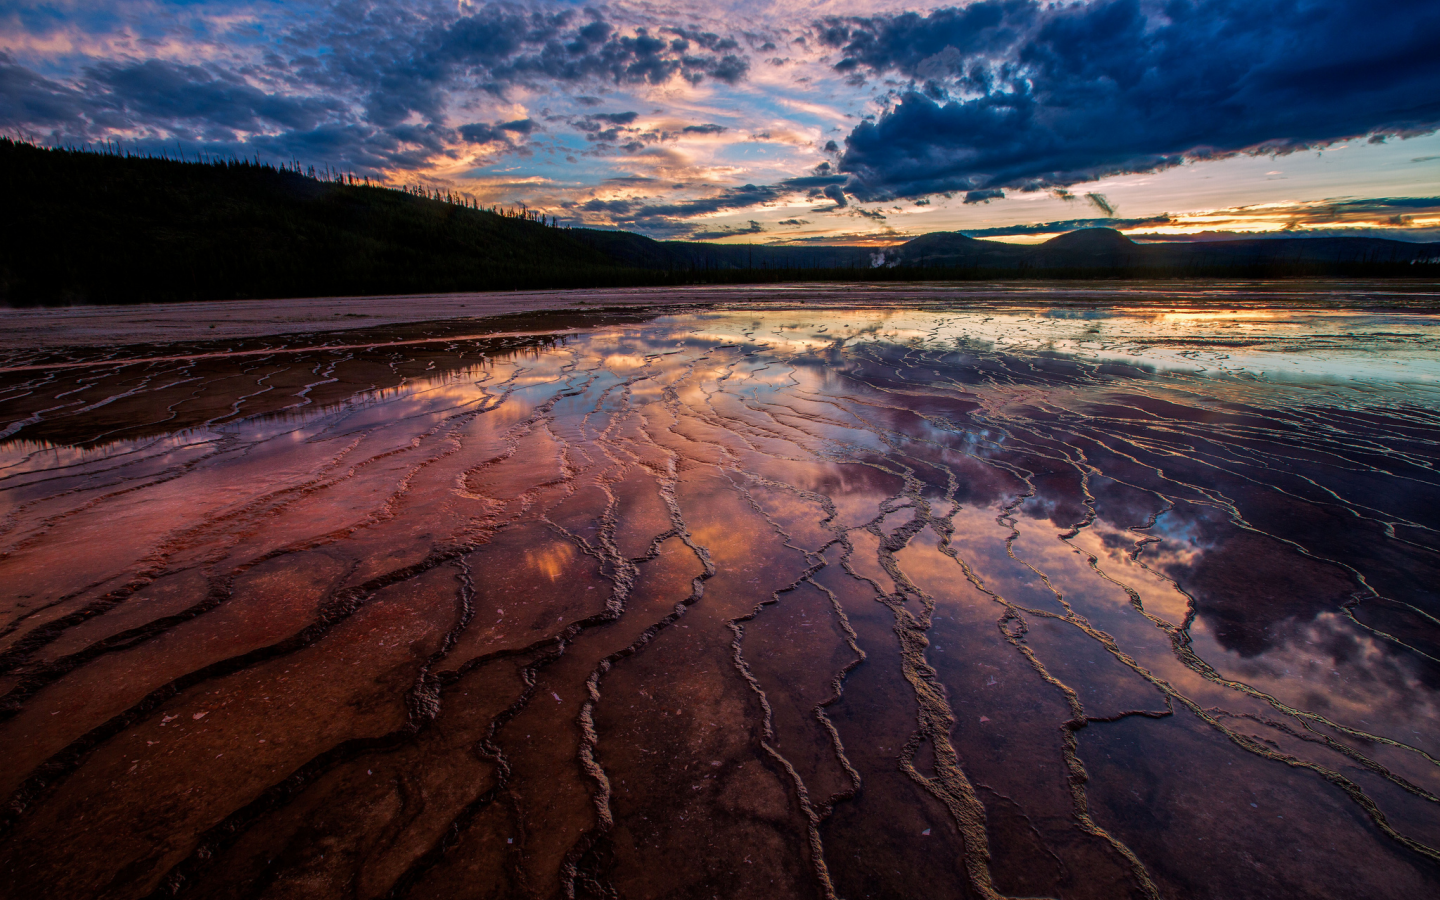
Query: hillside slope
{"x": 87, "y": 227}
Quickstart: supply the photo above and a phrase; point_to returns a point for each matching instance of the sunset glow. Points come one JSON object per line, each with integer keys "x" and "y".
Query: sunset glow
{"x": 859, "y": 121}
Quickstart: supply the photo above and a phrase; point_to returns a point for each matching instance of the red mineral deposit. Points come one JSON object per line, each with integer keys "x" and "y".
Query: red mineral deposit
{"x": 844, "y": 595}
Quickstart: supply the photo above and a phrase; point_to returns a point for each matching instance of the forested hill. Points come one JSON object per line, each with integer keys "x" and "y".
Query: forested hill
{"x": 83, "y": 227}
{"x": 101, "y": 228}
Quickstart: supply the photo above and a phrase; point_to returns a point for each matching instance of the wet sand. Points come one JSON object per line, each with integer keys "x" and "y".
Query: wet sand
{"x": 838, "y": 593}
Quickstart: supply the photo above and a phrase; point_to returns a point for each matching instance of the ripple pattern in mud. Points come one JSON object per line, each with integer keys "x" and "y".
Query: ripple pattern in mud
{"x": 742, "y": 602}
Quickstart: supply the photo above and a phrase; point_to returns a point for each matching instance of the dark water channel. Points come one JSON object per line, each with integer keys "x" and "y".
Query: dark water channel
{"x": 1012, "y": 601}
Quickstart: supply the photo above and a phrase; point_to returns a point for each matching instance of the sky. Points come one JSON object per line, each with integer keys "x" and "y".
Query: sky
{"x": 813, "y": 121}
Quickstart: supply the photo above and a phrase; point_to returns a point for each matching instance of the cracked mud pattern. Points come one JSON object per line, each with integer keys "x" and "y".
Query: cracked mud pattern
{"x": 1075, "y": 601}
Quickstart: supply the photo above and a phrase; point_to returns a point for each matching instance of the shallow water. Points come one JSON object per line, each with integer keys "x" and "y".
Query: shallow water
{"x": 1062, "y": 598}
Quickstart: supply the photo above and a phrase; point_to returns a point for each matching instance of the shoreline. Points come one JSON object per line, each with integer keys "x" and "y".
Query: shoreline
{"x": 42, "y": 328}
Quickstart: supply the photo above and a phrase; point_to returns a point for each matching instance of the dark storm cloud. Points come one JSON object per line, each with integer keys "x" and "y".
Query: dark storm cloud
{"x": 28, "y": 100}
{"x": 730, "y": 198}
{"x": 930, "y": 46}
{"x": 1067, "y": 225}
{"x": 724, "y": 231}
{"x": 500, "y": 133}
{"x": 1021, "y": 95}
{"x": 620, "y": 118}
{"x": 499, "y": 45}
{"x": 665, "y": 219}
{"x": 370, "y": 83}
{"x": 609, "y": 207}
{"x": 1102, "y": 203}
{"x": 984, "y": 196}
{"x": 605, "y": 127}
{"x": 813, "y": 181}
{"x": 156, "y": 89}
{"x": 741, "y": 197}
{"x": 1386, "y": 203}
{"x": 162, "y": 104}
{"x": 127, "y": 96}
{"x": 568, "y": 51}
{"x": 707, "y": 39}
{"x": 1343, "y": 213}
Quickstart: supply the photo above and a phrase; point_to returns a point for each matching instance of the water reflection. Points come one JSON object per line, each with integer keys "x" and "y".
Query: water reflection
{"x": 1000, "y": 601}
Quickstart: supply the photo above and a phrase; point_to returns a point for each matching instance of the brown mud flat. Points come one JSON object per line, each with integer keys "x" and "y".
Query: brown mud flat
{"x": 1027, "y": 596}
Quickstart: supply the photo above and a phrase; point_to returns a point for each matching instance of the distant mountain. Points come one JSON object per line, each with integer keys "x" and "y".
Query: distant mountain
{"x": 1106, "y": 250}
{"x": 85, "y": 227}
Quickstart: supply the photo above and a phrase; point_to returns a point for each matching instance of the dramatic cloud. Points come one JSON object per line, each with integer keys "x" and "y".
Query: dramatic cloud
{"x": 730, "y": 198}
{"x": 373, "y": 85}
{"x": 1102, "y": 203}
{"x": 121, "y": 96}
{"x": 1016, "y": 94}
{"x": 930, "y": 47}
{"x": 744, "y": 196}
{"x": 1415, "y": 218}
{"x": 29, "y": 101}
{"x": 1033, "y": 228}
{"x": 638, "y": 113}
{"x": 723, "y": 231}
{"x": 1412, "y": 218}
{"x": 498, "y": 46}
{"x": 480, "y": 133}
{"x": 606, "y": 127}
{"x": 609, "y": 207}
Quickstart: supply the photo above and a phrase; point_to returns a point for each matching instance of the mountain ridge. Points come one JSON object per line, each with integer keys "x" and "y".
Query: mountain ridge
{"x": 1108, "y": 248}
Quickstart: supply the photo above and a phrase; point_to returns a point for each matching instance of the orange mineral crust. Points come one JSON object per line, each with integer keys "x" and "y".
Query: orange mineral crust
{"x": 897, "y": 597}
